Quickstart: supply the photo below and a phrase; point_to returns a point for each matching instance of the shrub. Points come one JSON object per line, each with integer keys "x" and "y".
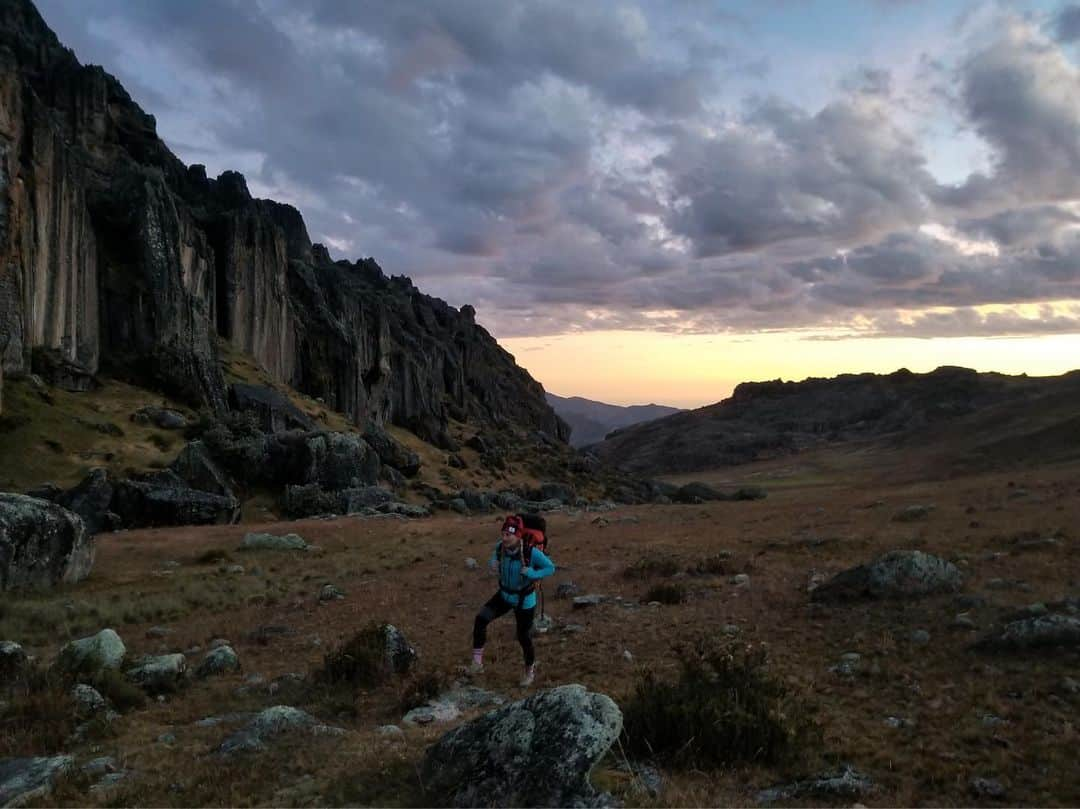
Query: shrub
{"x": 124, "y": 695}
{"x": 360, "y": 661}
{"x": 648, "y": 567}
{"x": 724, "y": 707}
{"x": 40, "y": 717}
{"x": 719, "y": 564}
{"x": 666, "y": 594}
{"x": 422, "y": 689}
{"x": 212, "y": 556}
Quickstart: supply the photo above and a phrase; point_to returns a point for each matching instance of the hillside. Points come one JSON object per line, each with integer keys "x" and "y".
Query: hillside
{"x": 117, "y": 259}
{"x": 977, "y": 417}
{"x": 590, "y": 420}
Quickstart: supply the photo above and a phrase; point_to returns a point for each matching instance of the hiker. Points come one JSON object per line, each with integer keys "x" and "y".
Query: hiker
{"x": 519, "y": 565}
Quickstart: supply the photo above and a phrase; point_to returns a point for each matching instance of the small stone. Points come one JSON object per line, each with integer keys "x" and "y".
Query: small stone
{"x": 989, "y": 720}
{"x": 217, "y": 643}
{"x": 1069, "y": 686}
{"x": 270, "y": 542}
{"x": 329, "y": 592}
{"x": 987, "y": 788}
{"x": 584, "y": 602}
{"x": 470, "y": 564}
{"x": 566, "y": 589}
{"x": 167, "y": 738}
{"x": 235, "y": 570}
{"x": 573, "y": 629}
{"x": 920, "y": 637}
{"x": 731, "y": 630}
{"x": 897, "y": 722}
{"x": 628, "y": 656}
{"x": 391, "y": 732}
{"x": 848, "y": 666}
{"x": 962, "y": 621}
{"x": 88, "y": 702}
{"x": 741, "y": 580}
{"x": 13, "y": 660}
{"x": 158, "y": 674}
{"x": 99, "y": 766}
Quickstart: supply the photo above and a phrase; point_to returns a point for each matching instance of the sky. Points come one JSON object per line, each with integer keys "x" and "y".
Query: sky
{"x": 652, "y": 200}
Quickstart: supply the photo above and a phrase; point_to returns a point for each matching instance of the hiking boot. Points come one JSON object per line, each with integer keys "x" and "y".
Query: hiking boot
{"x": 528, "y": 677}
{"x": 474, "y": 668}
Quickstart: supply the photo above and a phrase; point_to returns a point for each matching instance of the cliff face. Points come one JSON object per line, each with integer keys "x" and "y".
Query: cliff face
{"x": 124, "y": 260}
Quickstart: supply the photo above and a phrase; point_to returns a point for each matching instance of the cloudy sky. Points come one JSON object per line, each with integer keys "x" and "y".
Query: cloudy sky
{"x": 653, "y": 200}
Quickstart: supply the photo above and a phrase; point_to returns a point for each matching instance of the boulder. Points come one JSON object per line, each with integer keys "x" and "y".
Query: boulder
{"x": 13, "y": 661}
{"x": 366, "y": 496}
{"x": 89, "y": 656}
{"x": 847, "y": 783}
{"x": 161, "y": 417}
{"x": 218, "y": 661}
{"x": 450, "y": 705}
{"x": 476, "y": 501}
{"x": 342, "y": 460}
{"x": 88, "y": 701}
{"x": 311, "y": 500}
{"x": 271, "y": 724}
{"x": 91, "y": 499}
{"x": 273, "y": 410}
{"x": 41, "y": 544}
{"x": 158, "y": 674}
{"x": 197, "y": 468}
{"x": 508, "y": 501}
{"x": 897, "y": 574}
{"x": 400, "y": 655}
{"x": 536, "y": 752}
{"x": 255, "y": 541}
{"x": 555, "y": 491}
{"x": 23, "y": 780}
{"x": 1040, "y": 632}
{"x": 391, "y": 451}
{"x": 162, "y": 501}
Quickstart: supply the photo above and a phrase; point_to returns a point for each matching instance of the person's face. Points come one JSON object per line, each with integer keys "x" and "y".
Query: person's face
{"x": 510, "y": 542}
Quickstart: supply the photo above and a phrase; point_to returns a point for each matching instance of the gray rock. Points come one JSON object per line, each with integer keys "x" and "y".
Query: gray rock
{"x": 741, "y": 580}
{"x": 197, "y": 468}
{"x": 508, "y": 501}
{"x": 356, "y": 499}
{"x": 409, "y": 510}
{"x": 476, "y": 501}
{"x": 158, "y": 674}
{"x": 158, "y": 632}
{"x": 897, "y": 574}
{"x": 88, "y": 702}
{"x": 1042, "y": 632}
{"x": 459, "y": 505}
{"x": 27, "y": 779}
{"x": 88, "y": 656}
{"x": 584, "y": 602}
{"x": 161, "y": 417}
{"x": 391, "y": 451}
{"x": 99, "y": 766}
{"x": 91, "y": 499}
{"x": 543, "y": 625}
{"x": 400, "y": 655}
{"x": 912, "y": 513}
{"x": 273, "y": 410}
{"x": 846, "y": 783}
{"x": 849, "y": 665}
{"x": 920, "y": 637}
{"x": 962, "y": 621}
{"x": 273, "y": 723}
{"x": 328, "y": 592}
{"x": 235, "y": 570}
{"x": 471, "y": 564}
{"x": 165, "y": 499}
{"x": 218, "y": 660}
{"x": 13, "y": 661}
{"x": 566, "y": 589}
{"x": 392, "y": 732}
{"x": 507, "y": 757}
{"x": 573, "y": 629}
{"x": 41, "y": 544}
{"x": 255, "y": 541}
{"x": 987, "y": 788}
{"x": 167, "y": 738}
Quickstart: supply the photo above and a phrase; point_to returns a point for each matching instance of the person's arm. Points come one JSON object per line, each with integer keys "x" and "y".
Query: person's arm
{"x": 493, "y": 562}
{"x": 540, "y": 566}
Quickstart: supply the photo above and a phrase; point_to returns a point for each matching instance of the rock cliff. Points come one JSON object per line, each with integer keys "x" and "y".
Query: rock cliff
{"x": 127, "y": 262}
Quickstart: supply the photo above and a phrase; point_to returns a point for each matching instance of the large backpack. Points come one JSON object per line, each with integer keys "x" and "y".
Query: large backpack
{"x": 533, "y": 531}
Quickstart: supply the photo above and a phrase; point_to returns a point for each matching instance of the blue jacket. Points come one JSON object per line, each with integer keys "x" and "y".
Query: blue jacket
{"x": 513, "y": 576}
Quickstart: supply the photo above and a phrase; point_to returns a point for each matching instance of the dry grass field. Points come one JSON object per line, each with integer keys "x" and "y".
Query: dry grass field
{"x": 965, "y": 714}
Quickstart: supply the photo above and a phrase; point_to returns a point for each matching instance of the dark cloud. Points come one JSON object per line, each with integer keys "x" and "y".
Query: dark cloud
{"x": 567, "y": 166}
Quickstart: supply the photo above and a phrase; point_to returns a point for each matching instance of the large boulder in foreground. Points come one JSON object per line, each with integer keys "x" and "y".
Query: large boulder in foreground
{"x": 167, "y": 500}
{"x": 41, "y": 544}
{"x": 536, "y": 752}
{"x": 897, "y": 574}
{"x": 273, "y": 724}
{"x": 27, "y": 779}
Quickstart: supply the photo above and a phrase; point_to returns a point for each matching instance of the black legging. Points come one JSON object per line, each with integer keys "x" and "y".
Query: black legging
{"x": 497, "y": 606}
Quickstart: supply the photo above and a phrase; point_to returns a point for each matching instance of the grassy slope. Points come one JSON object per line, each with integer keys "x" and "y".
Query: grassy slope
{"x": 412, "y": 574}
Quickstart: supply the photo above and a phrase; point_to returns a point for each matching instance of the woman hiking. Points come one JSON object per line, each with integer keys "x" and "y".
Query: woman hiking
{"x": 519, "y": 566}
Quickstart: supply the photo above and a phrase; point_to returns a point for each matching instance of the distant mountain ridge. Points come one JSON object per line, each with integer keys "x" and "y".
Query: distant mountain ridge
{"x": 590, "y": 420}
{"x": 763, "y": 420}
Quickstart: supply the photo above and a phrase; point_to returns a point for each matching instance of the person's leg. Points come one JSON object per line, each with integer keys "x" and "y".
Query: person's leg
{"x": 495, "y": 607}
{"x": 524, "y": 620}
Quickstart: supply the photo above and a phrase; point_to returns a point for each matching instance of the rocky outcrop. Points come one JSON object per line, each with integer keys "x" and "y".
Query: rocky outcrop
{"x": 161, "y": 501}
{"x": 536, "y": 752}
{"x": 23, "y": 780}
{"x": 117, "y": 257}
{"x": 41, "y": 544}
{"x": 273, "y": 410}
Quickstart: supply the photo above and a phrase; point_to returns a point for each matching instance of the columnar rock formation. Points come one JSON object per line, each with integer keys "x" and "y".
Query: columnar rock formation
{"x": 122, "y": 259}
